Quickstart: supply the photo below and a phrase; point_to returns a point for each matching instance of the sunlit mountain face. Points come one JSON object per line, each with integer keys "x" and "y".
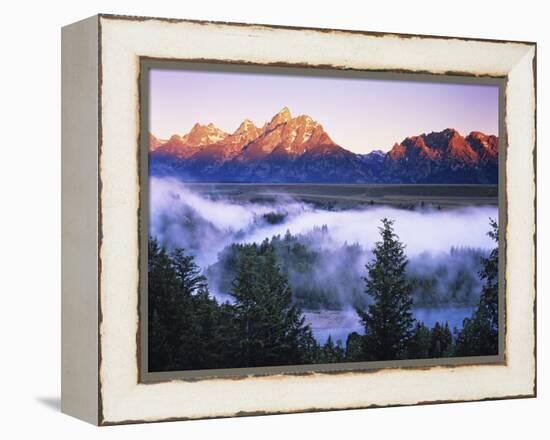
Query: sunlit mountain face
{"x": 297, "y": 149}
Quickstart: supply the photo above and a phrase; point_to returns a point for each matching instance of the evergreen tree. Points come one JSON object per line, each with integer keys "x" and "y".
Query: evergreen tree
{"x": 246, "y": 309}
{"x": 479, "y": 334}
{"x": 354, "y": 347}
{"x": 420, "y": 342}
{"x": 189, "y": 275}
{"x": 165, "y": 307}
{"x": 331, "y": 352}
{"x": 441, "y": 341}
{"x": 187, "y": 328}
{"x": 288, "y": 339}
{"x": 271, "y": 330}
{"x": 430, "y": 343}
{"x": 214, "y": 334}
{"x": 388, "y": 322}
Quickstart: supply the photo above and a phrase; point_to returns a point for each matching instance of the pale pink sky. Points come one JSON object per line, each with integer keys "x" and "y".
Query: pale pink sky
{"x": 359, "y": 114}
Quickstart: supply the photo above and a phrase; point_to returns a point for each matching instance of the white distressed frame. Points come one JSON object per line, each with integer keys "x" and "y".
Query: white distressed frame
{"x": 122, "y": 42}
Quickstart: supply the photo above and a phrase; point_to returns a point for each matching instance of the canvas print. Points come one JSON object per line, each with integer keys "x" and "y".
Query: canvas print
{"x": 307, "y": 220}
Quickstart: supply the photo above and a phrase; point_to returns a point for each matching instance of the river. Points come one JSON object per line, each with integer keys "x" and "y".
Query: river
{"x": 340, "y": 323}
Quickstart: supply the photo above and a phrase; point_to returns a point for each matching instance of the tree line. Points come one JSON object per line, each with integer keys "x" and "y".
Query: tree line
{"x": 326, "y": 275}
{"x": 188, "y": 329}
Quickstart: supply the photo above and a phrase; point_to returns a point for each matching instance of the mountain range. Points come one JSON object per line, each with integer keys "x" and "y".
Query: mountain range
{"x": 298, "y": 150}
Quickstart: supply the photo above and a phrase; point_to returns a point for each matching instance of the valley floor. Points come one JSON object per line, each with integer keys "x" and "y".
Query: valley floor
{"x": 340, "y": 196}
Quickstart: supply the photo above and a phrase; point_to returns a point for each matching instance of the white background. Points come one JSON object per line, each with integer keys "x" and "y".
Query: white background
{"x": 30, "y": 217}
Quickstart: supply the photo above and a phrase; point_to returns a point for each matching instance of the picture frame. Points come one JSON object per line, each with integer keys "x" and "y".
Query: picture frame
{"x": 105, "y": 60}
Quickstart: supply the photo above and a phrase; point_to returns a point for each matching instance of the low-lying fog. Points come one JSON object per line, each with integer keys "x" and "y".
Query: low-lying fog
{"x": 443, "y": 246}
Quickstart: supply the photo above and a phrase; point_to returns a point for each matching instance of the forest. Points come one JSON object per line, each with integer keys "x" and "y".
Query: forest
{"x": 263, "y": 323}
{"x": 329, "y": 276}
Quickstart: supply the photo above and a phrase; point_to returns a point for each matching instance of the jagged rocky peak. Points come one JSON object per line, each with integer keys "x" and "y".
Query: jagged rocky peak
{"x": 448, "y": 144}
{"x": 286, "y": 135}
{"x": 246, "y": 126}
{"x": 305, "y": 122}
{"x": 398, "y": 150}
{"x": 485, "y": 145}
{"x": 175, "y": 138}
{"x": 307, "y": 132}
{"x": 154, "y": 142}
{"x": 442, "y": 139}
{"x": 280, "y": 118}
{"x": 298, "y": 148}
{"x": 204, "y": 135}
{"x": 451, "y": 144}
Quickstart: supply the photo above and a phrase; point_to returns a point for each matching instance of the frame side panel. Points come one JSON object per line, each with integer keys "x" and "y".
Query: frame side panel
{"x": 79, "y": 219}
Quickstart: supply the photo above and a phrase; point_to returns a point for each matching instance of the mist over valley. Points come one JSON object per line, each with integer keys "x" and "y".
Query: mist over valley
{"x": 323, "y": 243}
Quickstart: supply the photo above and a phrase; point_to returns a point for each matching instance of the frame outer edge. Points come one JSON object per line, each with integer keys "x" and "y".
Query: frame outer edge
{"x": 109, "y": 422}
{"x": 79, "y": 221}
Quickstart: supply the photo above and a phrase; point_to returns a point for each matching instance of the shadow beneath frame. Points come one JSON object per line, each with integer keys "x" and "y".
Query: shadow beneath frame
{"x": 52, "y": 403}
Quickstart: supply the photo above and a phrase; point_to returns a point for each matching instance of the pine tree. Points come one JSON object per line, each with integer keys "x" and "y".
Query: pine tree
{"x": 173, "y": 279}
{"x": 430, "y": 343}
{"x": 388, "y": 322}
{"x": 479, "y": 334}
{"x": 419, "y": 344}
{"x": 354, "y": 347}
{"x": 271, "y": 330}
{"x": 164, "y": 307}
{"x": 441, "y": 340}
{"x": 187, "y": 328}
{"x": 291, "y": 339}
{"x": 331, "y": 352}
{"x": 211, "y": 343}
{"x": 189, "y": 275}
{"x": 246, "y": 309}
